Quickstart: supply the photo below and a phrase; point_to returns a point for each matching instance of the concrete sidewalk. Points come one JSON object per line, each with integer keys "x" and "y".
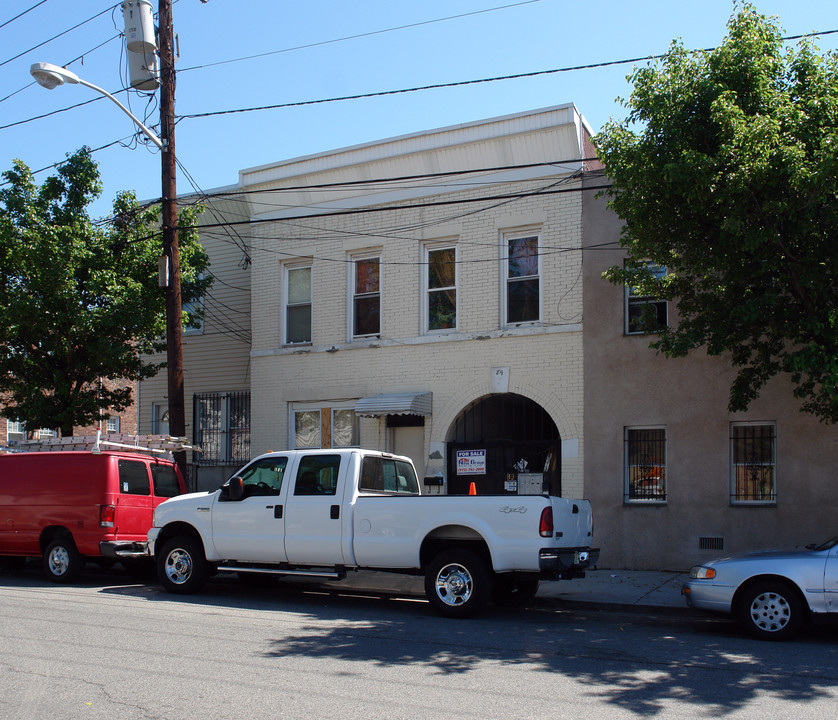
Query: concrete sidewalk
{"x": 642, "y": 588}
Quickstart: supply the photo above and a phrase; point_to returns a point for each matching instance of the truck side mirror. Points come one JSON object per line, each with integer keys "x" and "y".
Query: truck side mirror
{"x": 236, "y": 491}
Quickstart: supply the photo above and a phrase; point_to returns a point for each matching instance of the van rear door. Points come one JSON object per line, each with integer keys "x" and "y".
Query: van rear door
{"x": 134, "y": 502}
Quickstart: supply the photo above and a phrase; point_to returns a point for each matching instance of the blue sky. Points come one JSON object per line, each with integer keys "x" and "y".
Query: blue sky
{"x": 322, "y": 49}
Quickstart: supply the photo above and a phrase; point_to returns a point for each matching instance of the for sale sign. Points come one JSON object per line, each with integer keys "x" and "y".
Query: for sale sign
{"x": 471, "y": 462}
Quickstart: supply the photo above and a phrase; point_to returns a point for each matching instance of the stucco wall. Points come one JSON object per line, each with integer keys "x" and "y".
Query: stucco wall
{"x": 627, "y": 384}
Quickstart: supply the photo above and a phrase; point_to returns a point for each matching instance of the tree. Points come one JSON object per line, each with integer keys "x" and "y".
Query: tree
{"x": 79, "y": 300}
{"x": 725, "y": 172}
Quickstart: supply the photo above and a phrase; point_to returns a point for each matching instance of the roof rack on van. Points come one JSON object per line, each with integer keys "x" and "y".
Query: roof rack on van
{"x": 117, "y": 441}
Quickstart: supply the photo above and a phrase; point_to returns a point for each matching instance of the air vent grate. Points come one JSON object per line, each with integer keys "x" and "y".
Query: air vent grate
{"x": 711, "y": 543}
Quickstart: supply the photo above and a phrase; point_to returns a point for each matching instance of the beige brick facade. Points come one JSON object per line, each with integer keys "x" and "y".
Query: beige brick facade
{"x": 541, "y": 360}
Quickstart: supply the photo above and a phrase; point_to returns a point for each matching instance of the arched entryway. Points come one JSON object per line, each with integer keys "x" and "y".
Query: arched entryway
{"x": 491, "y": 438}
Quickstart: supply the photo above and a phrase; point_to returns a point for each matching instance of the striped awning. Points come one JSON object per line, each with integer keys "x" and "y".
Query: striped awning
{"x": 395, "y": 404}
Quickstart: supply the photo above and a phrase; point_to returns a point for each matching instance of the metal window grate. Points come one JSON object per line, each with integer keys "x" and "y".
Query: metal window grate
{"x": 222, "y": 428}
{"x": 711, "y": 543}
{"x": 753, "y": 462}
{"x": 645, "y": 458}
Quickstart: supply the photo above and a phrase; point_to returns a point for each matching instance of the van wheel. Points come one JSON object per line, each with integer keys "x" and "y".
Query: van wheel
{"x": 62, "y": 561}
{"x": 514, "y": 592}
{"x": 182, "y": 566}
{"x": 457, "y": 583}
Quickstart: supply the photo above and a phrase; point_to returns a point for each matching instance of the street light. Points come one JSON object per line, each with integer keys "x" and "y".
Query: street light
{"x": 51, "y": 76}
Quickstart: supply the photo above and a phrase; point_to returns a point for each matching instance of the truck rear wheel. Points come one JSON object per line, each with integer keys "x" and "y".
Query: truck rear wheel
{"x": 458, "y": 583}
{"x": 182, "y": 567}
{"x": 62, "y": 561}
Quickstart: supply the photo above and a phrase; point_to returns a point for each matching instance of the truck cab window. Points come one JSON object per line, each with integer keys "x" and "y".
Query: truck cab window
{"x": 317, "y": 475}
{"x": 264, "y": 478}
{"x": 133, "y": 478}
{"x": 389, "y": 476}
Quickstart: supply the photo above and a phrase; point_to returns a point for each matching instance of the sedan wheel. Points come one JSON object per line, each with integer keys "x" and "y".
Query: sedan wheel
{"x": 771, "y": 610}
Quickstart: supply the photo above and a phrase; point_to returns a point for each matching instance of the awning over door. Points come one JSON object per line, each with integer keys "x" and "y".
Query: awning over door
{"x": 395, "y": 404}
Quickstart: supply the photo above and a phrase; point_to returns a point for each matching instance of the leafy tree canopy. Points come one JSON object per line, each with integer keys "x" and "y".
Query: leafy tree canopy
{"x": 79, "y": 300}
{"x": 726, "y": 173}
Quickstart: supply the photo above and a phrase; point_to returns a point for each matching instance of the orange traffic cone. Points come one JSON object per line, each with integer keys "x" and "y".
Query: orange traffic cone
{"x": 472, "y": 489}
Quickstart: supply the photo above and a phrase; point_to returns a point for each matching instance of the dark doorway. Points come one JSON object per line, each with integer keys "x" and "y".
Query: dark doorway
{"x": 494, "y": 434}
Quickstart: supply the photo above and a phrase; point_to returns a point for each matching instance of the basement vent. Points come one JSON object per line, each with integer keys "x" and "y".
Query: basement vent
{"x": 711, "y": 543}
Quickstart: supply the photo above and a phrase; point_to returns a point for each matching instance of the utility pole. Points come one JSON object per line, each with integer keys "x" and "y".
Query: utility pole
{"x": 174, "y": 331}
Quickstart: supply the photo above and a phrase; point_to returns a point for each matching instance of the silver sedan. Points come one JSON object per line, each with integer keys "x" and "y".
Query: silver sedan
{"x": 770, "y": 592}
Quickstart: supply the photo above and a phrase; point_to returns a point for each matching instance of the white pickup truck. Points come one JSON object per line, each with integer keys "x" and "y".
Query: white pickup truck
{"x": 324, "y": 512}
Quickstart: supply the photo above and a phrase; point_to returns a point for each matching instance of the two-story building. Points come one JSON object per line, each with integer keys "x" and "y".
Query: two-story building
{"x": 439, "y": 295}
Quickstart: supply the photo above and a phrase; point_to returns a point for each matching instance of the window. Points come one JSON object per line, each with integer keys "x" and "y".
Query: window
{"x": 297, "y": 305}
{"x": 317, "y": 475}
{"x": 264, "y": 477}
{"x": 316, "y": 427}
{"x": 112, "y": 425}
{"x": 645, "y": 313}
{"x": 165, "y": 481}
{"x": 753, "y": 463}
{"x": 15, "y": 431}
{"x": 133, "y": 478}
{"x": 386, "y": 475}
{"x": 523, "y": 283}
{"x": 645, "y": 463}
{"x": 195, "y": 312}
{"x": 222, "y": 427}
{"x": 47, "y": 433}
{"x": 159, "y": 420}
{"x": 366, "y": 297}
{"x": 441, "y": 284}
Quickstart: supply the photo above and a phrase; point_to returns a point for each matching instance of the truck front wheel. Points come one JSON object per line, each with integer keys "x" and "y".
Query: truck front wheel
{"x": 458, "y": 583}
{"x": 181, "y": 566}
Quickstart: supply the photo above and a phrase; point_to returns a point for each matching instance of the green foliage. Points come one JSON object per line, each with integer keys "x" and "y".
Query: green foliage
{"x": 79, "y": 300}
{"x": 725, "y": 172}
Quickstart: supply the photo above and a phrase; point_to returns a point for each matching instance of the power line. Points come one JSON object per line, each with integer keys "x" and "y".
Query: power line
{"x": 20, "y": 15}
{"x": 55, "y": 37}
{"x": 355, "y": 37}
{"x": 67, "y": 64}
{"x": 461, "y": 83}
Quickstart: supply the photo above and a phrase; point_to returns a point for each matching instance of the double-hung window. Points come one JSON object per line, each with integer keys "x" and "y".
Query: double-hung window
{"x": 645, "y": 313}
{"x": 366, "y": 296}
{"x": 753, "y": 463}
{"x": 297, "y": 304}
{"x": 645, "y": 465}
{"x": 523, "y": 278}
{"x": 441, "y": 288}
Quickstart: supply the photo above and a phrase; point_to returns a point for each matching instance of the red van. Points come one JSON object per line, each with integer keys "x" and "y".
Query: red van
{"x": 68, "y": 506}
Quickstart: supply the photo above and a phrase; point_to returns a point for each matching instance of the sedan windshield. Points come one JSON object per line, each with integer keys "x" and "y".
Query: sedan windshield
{"x": 832, "y": 542}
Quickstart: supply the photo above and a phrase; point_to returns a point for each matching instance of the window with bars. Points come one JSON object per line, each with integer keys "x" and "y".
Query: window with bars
{"x": 222, "y": 428}
{"x": 645, "y": 465}
{"x": 753, "y": 463}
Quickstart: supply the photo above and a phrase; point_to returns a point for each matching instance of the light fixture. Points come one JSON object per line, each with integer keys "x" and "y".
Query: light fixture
{"x": 51, "y": 76}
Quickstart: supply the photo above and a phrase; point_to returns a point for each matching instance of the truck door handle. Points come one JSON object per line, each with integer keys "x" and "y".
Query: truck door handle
{"x": 335, "y": 512}
{"x": 278, "y": 511}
